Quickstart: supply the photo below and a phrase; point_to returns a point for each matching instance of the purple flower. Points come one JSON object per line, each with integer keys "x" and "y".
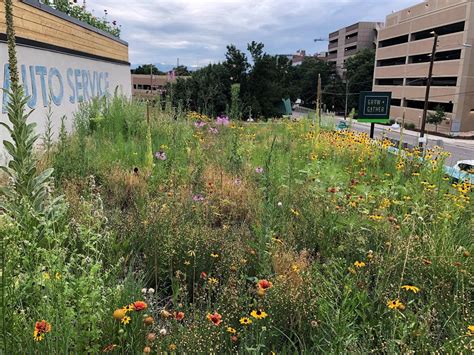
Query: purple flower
{"x": 199, "y": 124}
{"x": 222, "y": 121}
{"x": 161, "y": 155}
{"x": 213, "y": 130}
{"x": 198, "y": 198}
{"x": 259, "y": 170}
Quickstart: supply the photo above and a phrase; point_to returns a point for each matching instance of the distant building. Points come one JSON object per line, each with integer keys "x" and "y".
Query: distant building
{"x": 402, "y": 62}
{"x": 322, "y": 55}
{"x": 146, "y": 85}
{"x": 347, "y": 41}
{"x": 296, "y": 58}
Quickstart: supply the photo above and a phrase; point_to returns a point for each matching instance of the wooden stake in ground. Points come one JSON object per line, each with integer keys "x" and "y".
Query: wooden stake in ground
{"x": 317, "y": 120}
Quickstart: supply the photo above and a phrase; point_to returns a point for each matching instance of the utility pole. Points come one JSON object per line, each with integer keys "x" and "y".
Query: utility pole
{"x": 428, "y": 87}
{"x": 347, "y": 97}
{"x": 151, "y": 79}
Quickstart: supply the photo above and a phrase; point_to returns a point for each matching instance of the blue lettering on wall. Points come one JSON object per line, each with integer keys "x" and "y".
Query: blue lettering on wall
{"x": 81, "y": 85}
{"x": 93, "y": 82}
{"x": 70, "y": 73}
{"x": 42, "y": 72}
{"x": 106, "y": 79}
{"x": 85, "y": 84}
{"x": 78, "y": 84}
{"x": 6, "y": 86}
{"x": 56, "y": 97}
{"x": 34, "y": 94}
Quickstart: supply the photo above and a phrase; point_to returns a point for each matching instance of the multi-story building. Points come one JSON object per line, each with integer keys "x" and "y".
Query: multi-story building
{"x": 296, "y": 58}
{"x": 402, "y": 63}
{"x": 347, "y": 41}
{"x": 145, "y": 85}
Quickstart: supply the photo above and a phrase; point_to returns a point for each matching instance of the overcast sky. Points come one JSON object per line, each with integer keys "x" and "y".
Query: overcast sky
{"x": 197, "y": 31}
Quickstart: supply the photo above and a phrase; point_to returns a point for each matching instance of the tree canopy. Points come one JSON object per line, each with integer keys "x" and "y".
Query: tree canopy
{"x": 147, "y": 69}
{"x": 267, "y": 79}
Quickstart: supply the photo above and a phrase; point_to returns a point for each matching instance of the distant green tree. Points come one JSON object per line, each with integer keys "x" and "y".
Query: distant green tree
{"x": 304, "y": 81}
{"x": 182, "y": 70}
{"x": 360, "y": 73}
{"x": 436, "y": 117}
{"x": 235, "y": 112}
{"x": 146, "y": 68}
{"x": 206, "y": 91}
{"x": 237, "y": 64}
{"x": 267, "y": 82}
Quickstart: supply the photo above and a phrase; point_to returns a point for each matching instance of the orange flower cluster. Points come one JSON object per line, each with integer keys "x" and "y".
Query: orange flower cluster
{"x": 41, "y": 328}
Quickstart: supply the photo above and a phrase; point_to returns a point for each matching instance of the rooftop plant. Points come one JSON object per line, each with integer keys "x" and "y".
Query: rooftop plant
{"x": 71, "y": 8}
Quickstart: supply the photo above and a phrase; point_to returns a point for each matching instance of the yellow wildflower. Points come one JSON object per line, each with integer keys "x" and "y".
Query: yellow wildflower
{"x": 411, "y": 288}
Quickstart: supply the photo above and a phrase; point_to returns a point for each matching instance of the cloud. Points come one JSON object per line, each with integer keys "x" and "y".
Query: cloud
{"x": 198, "y": 31}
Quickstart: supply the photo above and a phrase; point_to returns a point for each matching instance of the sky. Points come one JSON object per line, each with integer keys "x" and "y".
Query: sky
{"x": 198, "y": 31}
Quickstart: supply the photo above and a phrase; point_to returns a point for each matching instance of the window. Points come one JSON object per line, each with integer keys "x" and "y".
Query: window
{"x": 351, "y": 48}
{"x": 140, "y": 87}
{"x": 134, "y": 86}
{"x": 333, "y": 41}
{"x": 418, "y": 104}
{"x": 396, "y": 102}
{"x": 352, "y": 35}
{"x": 443, "y": 81}
{"x": 389, "y": 81}
{"x": 391, "y": 61}
{"x": 440, "y": 56}
{"x": 333, "y": 52}
{"x": 466, "y": 167}
{"x": 393, "y": 41}
{"x": 441, "y": 31}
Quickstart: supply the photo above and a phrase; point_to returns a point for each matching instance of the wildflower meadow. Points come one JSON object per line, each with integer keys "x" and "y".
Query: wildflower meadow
{"x": 144, "y": 231}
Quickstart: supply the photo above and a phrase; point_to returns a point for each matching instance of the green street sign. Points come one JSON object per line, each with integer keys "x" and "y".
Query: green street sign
{"x": 374, "y": 106}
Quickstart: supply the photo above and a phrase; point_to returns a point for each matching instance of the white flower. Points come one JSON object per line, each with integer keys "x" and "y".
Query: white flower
{"x": 163, "y": 331}
{"x": 279, "y": 204}
{"x": 143, "y": 290}
{"x": 151, "y": 291}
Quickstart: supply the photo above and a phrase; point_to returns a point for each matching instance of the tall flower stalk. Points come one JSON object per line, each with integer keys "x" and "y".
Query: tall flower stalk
{"x": 28, "y": 189}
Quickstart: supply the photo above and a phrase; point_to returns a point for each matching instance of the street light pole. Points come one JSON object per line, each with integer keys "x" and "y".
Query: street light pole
{"x": 428, "y": 87}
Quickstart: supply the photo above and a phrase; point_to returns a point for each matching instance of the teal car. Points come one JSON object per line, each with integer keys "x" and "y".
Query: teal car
{"x": 462, "y": 171}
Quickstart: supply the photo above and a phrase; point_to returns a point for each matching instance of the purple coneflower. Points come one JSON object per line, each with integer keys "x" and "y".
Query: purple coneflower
{"x": 198, "y": 198}
{"x": 161, "y": 155}
{"x": 199, "y": 124}
{"x": 259, "y": 170}
{"x": 222, "y": 121}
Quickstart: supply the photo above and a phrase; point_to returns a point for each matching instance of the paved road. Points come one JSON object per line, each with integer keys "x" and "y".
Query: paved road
{"x": 460, "y": 149}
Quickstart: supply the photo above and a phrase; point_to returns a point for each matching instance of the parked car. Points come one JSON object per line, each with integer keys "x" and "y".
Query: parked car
{"x": 463, "y": 170}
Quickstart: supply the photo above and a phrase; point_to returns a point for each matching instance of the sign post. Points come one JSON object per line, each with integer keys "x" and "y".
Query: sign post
{"x": 374, "y": 107}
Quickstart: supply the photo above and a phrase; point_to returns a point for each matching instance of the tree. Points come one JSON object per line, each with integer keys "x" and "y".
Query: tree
{"x": 237, "y": 64}
{"x": 304, "y": 82}
{"x": 146, "y": 68}
{"x": 436, "y": 117}
{"x": 360, "y": 73}
{"x": 267, "y": 82}
{"x": 182, "y": 70}
{"x": 235, "y": 112}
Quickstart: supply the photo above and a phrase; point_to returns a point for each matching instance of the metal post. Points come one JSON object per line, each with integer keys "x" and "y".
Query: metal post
{"x": 318, "y": 108}
{"x": 428, "y": 87}
{"x": 372, "y": 130}
{"x": 347, "y": 97}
